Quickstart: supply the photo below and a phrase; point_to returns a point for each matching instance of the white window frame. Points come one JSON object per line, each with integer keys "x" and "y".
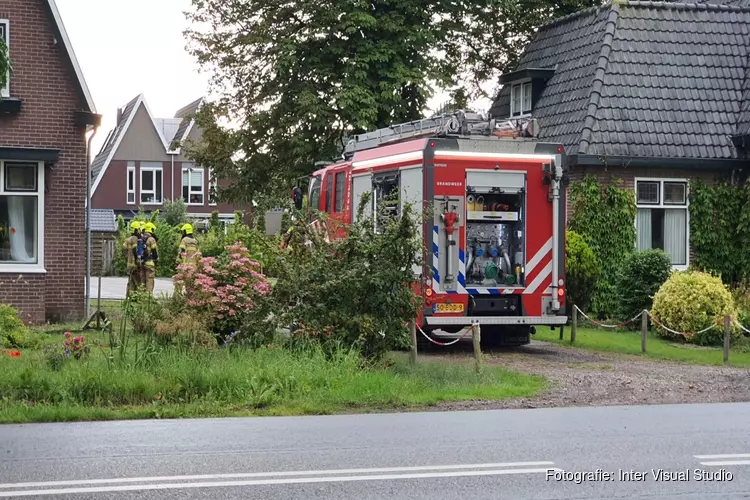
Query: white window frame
{"x": 19, "y": 267}
{"x": 202, "y": 192}
{"x": 212, "y": 184}
{"x": 5, "y": 88}
{"x": 668, "y": 206}
{"x": 128, "y": 191}
{"x": 520, "y": 86}
{"x": 151, "y": 191}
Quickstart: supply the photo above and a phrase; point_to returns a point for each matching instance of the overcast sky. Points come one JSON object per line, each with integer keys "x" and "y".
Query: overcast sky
{"x": 128, "y": 47}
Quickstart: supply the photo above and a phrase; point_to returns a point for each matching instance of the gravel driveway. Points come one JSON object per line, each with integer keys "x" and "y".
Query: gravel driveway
{"x": 584, "y": 378}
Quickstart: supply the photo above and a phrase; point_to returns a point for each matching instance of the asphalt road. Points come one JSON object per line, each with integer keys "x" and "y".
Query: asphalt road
{"x": 453, "y": 455}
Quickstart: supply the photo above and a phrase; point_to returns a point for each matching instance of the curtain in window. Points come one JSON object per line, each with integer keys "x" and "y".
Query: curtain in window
{"x": 20, "y": 209}
{"x": 675, "y": 235}
{"x": 643, "y": 226}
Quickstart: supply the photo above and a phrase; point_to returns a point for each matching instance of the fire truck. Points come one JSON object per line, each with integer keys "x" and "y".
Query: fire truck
{"x": 496, "y": 244}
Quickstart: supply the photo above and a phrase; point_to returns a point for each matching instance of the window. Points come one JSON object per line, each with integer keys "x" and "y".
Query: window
{"x": 21, "y": 216}
{"x": 662, "y": 218}
{"x": 5, "y": 37}
{"x": 520, "y": 99}
{"x": 192, "y": 185}
{"x": 152, "y": 185}
{"x": 131, "y": 183}
{"x": 386, "y": 197}
{"x": 340, "y": 180}
{"x": 329, "y": 179}
{"x": 212, "y": 187}
{"x": 314, "y": 196}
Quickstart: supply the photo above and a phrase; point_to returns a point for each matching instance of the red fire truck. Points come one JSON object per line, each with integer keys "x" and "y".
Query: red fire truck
{"x": 497, "y": 238}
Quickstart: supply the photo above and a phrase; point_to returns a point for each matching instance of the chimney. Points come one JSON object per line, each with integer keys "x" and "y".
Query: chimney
{"x": 119, "y": 116}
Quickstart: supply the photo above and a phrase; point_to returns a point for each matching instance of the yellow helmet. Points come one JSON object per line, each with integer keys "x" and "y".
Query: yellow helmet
{"x": 149, "y": 227}
{"x": 134, "y": 226}
{"x": 187, "y": 228}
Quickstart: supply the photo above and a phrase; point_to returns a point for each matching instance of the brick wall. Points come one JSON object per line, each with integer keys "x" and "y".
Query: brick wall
{"x": 44, "y": 79}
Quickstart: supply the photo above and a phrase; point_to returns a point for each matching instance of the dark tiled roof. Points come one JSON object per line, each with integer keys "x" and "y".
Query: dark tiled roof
{"x": 644, "y": 79}
{"x": 98, "y": 163}
{"x": 187, "y": 114}
{"x": 103, "y": 221}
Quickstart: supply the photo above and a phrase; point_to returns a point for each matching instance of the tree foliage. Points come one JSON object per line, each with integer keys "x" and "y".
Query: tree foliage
{"x": 297, "y": 78}
{"x": 5, "y": 65}
{"x": 604, "y": 216}
{"x": 720, "y": 229}
{"x": 582, "y": 270}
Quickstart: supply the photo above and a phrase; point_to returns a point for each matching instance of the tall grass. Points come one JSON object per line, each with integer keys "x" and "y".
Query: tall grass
{"x": 238, "y": 381}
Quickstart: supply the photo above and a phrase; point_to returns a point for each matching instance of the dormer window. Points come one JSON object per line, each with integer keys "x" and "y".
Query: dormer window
{"x": 520, "y": 99}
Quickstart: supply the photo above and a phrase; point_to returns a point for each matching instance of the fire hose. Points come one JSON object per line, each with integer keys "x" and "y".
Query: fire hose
{"x": 445, "y": 344}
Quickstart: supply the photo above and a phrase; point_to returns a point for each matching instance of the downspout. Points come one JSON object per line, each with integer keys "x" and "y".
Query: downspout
{"x": 88, "y": 219}
{"x": 172, "y": 176}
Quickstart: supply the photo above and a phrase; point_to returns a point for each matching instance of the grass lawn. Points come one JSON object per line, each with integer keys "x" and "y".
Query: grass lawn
{"x": 171, "y": 382}
{"x": 629, "y": 342}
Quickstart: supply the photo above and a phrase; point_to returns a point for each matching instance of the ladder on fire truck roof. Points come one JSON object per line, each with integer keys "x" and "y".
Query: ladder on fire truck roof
{"x": 458, "y": 123}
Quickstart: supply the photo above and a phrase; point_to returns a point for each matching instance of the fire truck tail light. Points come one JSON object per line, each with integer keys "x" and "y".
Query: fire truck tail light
{"x": 560, "y": 282}
{"x": 428, "y": 292}
{"x": 560, "y": 292}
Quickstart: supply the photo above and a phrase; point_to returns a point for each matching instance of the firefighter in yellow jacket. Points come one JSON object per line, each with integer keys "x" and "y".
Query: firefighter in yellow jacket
{"x": 188, "y": 252}
{"x": 151, "y": 259}
{"x": 130, "y": 247}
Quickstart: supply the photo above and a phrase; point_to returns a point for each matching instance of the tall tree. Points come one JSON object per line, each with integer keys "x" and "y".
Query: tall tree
{"x": 296, "y": 78}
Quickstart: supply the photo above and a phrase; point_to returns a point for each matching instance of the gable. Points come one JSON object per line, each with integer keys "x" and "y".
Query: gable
{"x": 141, "y": 140}
{"x": 643, "y": 79}
{"x": 195, "y": 135}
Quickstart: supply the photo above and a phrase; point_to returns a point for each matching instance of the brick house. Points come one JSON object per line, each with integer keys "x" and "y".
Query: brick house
{"x": 46, "y": 111}
{"x": 652, "y": 93}
{"x": 141, "y": 165}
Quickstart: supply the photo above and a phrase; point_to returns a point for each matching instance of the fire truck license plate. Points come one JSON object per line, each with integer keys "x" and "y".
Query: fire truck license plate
{"x": 448, "y": 308}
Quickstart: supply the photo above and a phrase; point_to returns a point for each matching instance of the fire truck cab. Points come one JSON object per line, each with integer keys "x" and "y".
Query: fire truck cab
{"x": 496, "y": 242}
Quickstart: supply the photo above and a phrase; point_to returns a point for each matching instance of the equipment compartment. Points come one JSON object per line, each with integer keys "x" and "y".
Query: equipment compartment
{"x": 494, "y": 239}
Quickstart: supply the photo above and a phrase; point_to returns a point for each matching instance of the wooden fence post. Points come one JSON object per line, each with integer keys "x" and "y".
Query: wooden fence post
{"x": 574, "y": 325}
{"x": 644, "y": 329}
{"x": 413, "y": 352}
{"x": 475, "y": 338}
{"x": 727, "y": 338}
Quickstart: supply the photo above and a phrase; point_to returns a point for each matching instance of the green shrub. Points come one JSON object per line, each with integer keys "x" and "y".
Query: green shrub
{"x": 175, "y": 212}
{"x": 640, "y": 277}
{"x": 582, "y": 270}
{"x": 13, "y": 333}
{"x": 357, "y": 291}
{"x": 741, "y": 294}
{"x": 689, "y": 302}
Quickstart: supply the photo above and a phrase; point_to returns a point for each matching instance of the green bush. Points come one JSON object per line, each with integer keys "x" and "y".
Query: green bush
{"x": 640, "y": 277}
{"x": 355, "y": 291}
{"x": 689, "y": 302}
{"x": 741, "y": 294}
{"x": 13, "y": 333}
{"x": 582, "y": 270}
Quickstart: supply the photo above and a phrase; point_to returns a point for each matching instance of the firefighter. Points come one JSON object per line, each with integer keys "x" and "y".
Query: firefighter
{"x": 188, "y": 252}
{"x": 130, "y": 247}
{"x": 151, "y": 259}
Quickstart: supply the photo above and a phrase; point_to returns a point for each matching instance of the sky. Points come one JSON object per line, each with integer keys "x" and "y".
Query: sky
{"x": 129, "y": 47}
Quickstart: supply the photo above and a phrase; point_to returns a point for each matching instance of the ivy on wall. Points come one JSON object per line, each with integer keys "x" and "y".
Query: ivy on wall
{"x": 720, "y": 229}
{"x": 605, "y": 217}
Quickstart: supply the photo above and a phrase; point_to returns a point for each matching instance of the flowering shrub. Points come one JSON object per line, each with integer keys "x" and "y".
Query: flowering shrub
{"x": 57, "y": 354}
{"x": 228, "y": 289}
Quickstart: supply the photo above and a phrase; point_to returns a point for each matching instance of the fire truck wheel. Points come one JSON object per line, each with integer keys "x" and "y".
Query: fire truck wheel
{"x": 505, "y": 336}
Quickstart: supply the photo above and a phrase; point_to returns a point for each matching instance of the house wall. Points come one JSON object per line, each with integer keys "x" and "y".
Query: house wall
{"x": 627, "y": 177}
{"x": 44, "y": 79}
{"x": 142, "y": 141}
{"x": 112, "y": 190}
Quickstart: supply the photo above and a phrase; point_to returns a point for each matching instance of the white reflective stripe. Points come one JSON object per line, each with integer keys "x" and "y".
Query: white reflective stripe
{"x": 509, "y": 156}
{"x": 385, "y": 160}
{"x": 530, "y": 265}
{"x": 543, "y": 275}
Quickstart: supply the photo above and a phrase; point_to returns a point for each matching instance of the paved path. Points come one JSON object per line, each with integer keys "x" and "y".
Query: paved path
{"x": 116, "y": 288}
{"x": 551, "y": 453}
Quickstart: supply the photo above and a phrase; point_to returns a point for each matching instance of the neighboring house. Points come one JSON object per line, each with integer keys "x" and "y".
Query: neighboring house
{"x": 103, "y": 241}
{"x": 46, "y": 111}
{"x": 141, "y": 165}
{"x": 652, "y": 93}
